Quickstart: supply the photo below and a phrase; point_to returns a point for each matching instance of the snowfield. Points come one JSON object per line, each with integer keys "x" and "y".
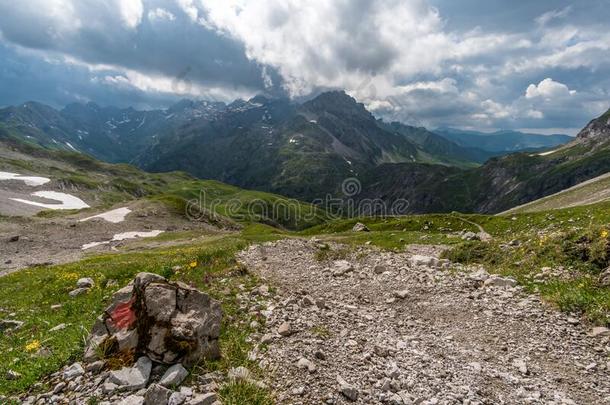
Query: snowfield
{"x": 67, "y": 201}
{"x": 33, "y": 181}
{"x": 123, "y": 236}
{"x": 114, "y": 216}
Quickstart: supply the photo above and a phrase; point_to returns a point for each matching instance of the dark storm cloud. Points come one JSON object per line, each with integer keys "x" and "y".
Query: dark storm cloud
{"x": 27, "y": 77}
{"x": 94, "y": 33}
{"x": 433, "y": 62}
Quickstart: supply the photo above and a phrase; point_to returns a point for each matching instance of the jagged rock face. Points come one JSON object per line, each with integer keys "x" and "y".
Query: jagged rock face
{"x": 168, "y": 322}
{"x": 597, "y": 129}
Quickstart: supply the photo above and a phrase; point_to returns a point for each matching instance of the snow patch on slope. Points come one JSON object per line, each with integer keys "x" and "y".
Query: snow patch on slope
{"x": 67, "y": 201}
{"x": 114, "y": 216}
{"x": 123, "y": 236}
{"x": 33, "y": 181}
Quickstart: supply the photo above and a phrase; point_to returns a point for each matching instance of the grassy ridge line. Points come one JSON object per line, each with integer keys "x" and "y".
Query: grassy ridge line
{"x": 589, "y": 192}
{"x": 109, "y": 184}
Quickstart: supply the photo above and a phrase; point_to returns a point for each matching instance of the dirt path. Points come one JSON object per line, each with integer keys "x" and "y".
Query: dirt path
{"x": 448, "y": 340}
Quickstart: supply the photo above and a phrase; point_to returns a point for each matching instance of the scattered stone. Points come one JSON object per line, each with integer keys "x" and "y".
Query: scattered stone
{"x": 78, "y": 291}
{"x": 479, "y": 276}
{"x": 108, "y": 388}
{"x": 425, "y": 261}
{"x": 267, "y": 339}
{"x": 306, "y": 364}
{"x": 401, "y": 294}
{"x": 204, "y": 399}
{"x": 321, "y": 304}
{"x": 600, "y": 331}
{"x": 484, "y": 237}
{"x": 501, "y": 282}
{"x": 132, "y": 378}
{"x": 59, "y": 387}
{"x": 307, "y": 301}
{"x": 85, "y": 283}
{"x": 360, "y": 227}
{"x": 342, "y": 267}
{"x": 95, "y": 367}
{"x": 174, "y": 376}
{"x": 14, "y": 238}
{"x": 470, "y": 236}
{"x": 591, "y": 366}
{"x": 349, "y": 391}
{"x": 285, "y": 329}
{"x": 10, "y": 324}
{"x": 132, "y": 400}
{"x": 157, "y": 395}
{"x": 379, "y": 269}
{"x": 75, "y": 370}
{"x": 521, "y": 365}
{"x": 177, "y": 398}
{"x": 12, "y": 375}
{"x": 381, "y": 351}
{"x": 59, "y": 327}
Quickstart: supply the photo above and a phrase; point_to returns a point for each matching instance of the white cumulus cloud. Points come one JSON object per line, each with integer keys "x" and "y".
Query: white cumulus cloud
{"x": 548, "y": 88}
{"x": 131, "y": 12}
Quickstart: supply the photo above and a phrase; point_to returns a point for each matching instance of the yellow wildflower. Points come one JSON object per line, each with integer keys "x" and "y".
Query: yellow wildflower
{"x": 192, "y": 265}
{"x": 604, "y": 234}
{"x": 33, "y": 346}
{"x": 69, "y": 276}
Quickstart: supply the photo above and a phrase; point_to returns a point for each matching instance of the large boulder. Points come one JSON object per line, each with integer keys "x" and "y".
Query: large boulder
{"x": 360, "y": 227}
{"x": 169, "y": 322}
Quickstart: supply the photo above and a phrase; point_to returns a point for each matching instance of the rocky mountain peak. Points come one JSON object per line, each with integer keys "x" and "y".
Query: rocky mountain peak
{"x": 338, "y": 103}
{"x": 598, "y": 129}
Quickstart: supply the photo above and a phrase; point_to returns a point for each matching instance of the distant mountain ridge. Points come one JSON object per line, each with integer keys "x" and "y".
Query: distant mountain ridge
{"x": 271, "y": 144}
{"x": 307, "y": 150}
{"x": 502, "y": 182}
{"x": 503, "y": 141}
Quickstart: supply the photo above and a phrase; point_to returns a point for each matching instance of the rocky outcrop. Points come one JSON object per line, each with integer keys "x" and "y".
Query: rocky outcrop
{"x": 598, "y": 128}
{"x": 167, "y": 322}
{"x": 360, "y": 227}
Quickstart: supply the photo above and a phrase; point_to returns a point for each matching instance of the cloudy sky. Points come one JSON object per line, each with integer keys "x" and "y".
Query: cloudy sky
{"x": 542, "y": 65}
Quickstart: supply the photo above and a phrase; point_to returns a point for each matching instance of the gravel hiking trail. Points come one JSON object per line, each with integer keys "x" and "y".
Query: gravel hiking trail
{"x": 408, "y": 328}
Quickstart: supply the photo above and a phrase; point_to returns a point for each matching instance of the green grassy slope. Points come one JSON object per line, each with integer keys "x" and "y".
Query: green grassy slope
{"x": 575, "y": 240}
{"x": 589, "y": 192}
{"x": 29, "y": 295}
{"x": 107, "y": 184}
